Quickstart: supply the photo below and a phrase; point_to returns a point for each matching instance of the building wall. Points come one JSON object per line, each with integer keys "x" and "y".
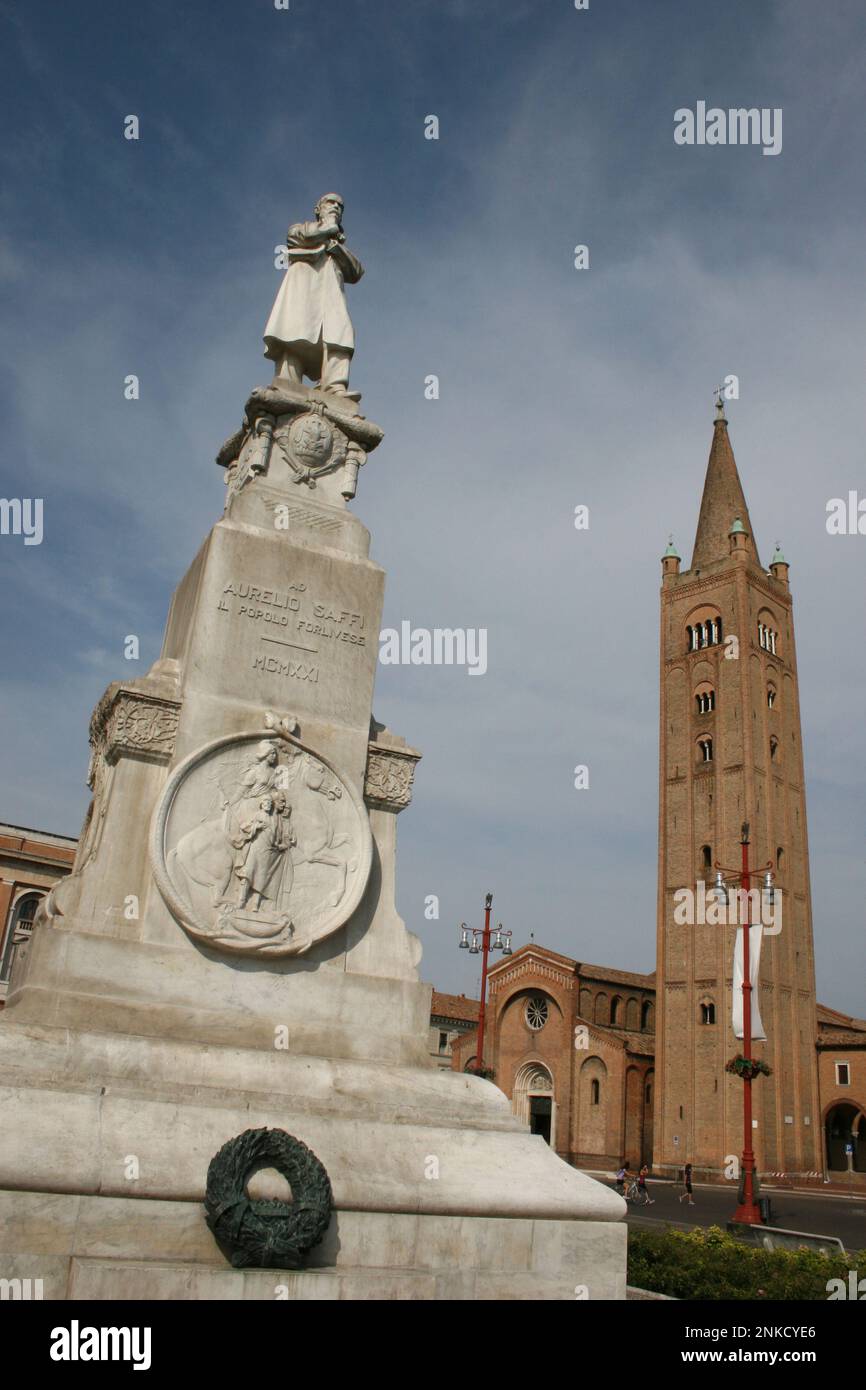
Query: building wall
{"x": 853, "y": 1053}
{"x": 30, "y": 861}
{"x": 443, "y": 1028}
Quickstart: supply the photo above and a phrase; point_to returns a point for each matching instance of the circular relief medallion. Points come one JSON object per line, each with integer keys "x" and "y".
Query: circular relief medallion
{"x": 259, "y": 846}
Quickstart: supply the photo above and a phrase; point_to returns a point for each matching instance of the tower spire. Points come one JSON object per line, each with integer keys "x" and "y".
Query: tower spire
{"x": 722, "y": 502}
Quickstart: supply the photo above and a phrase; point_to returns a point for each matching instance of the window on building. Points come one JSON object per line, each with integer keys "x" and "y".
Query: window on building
{"x": 705, "y": 701}
{"x": 705, "y": 750}
{"x": 595, "y": 1093}
{"x": 843, "y": 1074}
{"x": 443, "y": 1042}
{"x": 18, "y": 931}
{"x": 616, "y": 1011}
{"x": 704, "y": 634}
{"x": 706, "y": 859}
{"x": 767, "y": 638}
{"x": 537, "y": 1012}
{"x": 780, "y": 860}
{"x": 648, "y": 1093}
{"x": 645, "y": 1014}
{"x": 708, "y": 1011}
{"x": 771, "y": 696}
{"x": 774, "y": 748}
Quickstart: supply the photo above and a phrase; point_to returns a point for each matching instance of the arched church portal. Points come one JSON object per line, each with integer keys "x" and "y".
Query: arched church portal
{"x": 844, "y": 1128}
{"x": 533, "y": 1101}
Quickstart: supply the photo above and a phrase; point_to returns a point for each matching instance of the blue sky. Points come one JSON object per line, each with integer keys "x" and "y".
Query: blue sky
{"x": 557, "y": 388}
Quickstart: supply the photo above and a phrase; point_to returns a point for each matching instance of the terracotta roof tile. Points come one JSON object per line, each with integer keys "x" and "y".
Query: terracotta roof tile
{"x": 617, "y": 977}
{"x": 840, "y": 1037}
{"x": 455, "y": 1006}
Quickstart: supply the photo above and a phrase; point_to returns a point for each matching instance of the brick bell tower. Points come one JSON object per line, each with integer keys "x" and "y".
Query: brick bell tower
{"x": 731, "y": 751}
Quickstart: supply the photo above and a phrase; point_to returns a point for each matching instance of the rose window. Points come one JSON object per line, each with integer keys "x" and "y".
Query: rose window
{"x": 537, "y": 1013}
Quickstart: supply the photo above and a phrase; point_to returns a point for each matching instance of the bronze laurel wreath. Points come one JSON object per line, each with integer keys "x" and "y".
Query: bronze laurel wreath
{"x": 267, "y": 1234}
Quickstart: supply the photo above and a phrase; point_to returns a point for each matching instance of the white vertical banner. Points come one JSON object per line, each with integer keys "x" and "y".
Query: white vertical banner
{"x": 755, "y": 935}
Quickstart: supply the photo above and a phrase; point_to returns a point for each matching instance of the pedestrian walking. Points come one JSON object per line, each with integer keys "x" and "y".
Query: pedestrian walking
{"x": 687, "y": 1185}
{"x": 643, "y": 1191}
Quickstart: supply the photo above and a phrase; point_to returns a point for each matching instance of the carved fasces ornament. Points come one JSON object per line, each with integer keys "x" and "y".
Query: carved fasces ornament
{"x": 310, "y": 435}
{"x": 258, "y": 845}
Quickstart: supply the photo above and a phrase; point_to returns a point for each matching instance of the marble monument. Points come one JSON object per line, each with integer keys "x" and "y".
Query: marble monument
{"x": 227, "y": 955}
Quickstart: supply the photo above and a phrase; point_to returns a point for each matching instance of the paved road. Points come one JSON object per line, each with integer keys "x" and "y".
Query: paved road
{"x": 844, "y": 1217}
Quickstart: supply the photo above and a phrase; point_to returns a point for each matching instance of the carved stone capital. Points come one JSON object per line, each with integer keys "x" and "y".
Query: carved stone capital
{"x": 126, "y": 721}
{"x": 390, "y": 774}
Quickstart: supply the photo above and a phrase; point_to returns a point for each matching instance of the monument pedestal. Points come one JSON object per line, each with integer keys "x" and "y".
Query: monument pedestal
{"x": 227, "y": 954}
{"x": 438, "y": 1190}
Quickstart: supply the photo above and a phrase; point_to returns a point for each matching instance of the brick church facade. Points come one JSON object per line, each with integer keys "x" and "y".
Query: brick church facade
{"x": 572, "y": 1045}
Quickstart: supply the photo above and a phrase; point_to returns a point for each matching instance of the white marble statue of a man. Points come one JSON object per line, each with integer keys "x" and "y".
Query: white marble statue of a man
{"x": 309, "y": 332}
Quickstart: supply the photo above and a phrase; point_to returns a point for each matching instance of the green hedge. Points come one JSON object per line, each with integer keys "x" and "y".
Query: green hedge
{"x": 709, "y": 1264}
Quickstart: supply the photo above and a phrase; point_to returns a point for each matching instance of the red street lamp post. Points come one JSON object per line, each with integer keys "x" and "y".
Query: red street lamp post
{"x": 747, "y": 1210}
{"x": 503, "y": 944}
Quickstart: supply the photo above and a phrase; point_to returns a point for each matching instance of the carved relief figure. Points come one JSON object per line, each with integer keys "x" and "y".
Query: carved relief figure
{"x": 258, "y": 777}
{"x": 207, "y": 854}
{"x": 309, "y": 331}
{"x": 266, "y": 841}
